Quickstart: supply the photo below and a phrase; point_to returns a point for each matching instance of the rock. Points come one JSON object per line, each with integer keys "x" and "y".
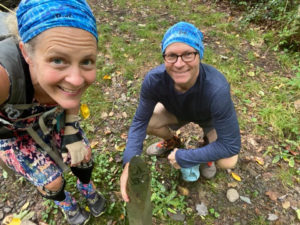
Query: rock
{"x": 232, "y": 195}
{"x": 177, "y": 217}
{"x": 1, "y": 215}
{"x": 27, "y": 222}
{"x": 245, "y": 199}
{"x": 202, "y": 209}
{"x": 297, "y": 104}
{"x": 6, "y": 210}
{"x": 272, "y": 217}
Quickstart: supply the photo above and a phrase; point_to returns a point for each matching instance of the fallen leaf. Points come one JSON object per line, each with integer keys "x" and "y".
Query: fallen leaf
{"x": 183, "y": 191}
{"x": 286, "y": 204}
{"x": 25, "y": 206}
{"x": 15, "y": 221}
{"x": 124, "y": 136}
{"x": 232, "y": 184}
{"x": 272, "y": 195}
{"x": 104, "y": 115}
{"x": 251, "y": 74}
{"x": 235, "y": 176}
{"x": 106, "y": 77}
{"x": 94, "y": 144}
{"x": 84, "y": 110}
{"x": 259, "y": 160}
{"x": 120, "y": 147}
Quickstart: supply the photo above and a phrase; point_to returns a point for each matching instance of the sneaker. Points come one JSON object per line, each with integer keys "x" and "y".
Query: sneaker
{"x": 96, "y": 205}
{"x": 208, "y": 170}
{"x": 162, "y": 147}
{"x": 77, "y": 217}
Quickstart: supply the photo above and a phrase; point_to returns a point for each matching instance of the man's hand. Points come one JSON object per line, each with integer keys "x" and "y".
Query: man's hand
{"x": 123, "y": 183}
{"x": 172, "y": 159}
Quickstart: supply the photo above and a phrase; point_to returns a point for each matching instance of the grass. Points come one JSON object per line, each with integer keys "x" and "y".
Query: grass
{"x": 129, "y": 45}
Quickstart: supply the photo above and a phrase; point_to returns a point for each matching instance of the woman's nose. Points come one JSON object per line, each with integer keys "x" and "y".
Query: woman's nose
{"x": 75, "y": 77}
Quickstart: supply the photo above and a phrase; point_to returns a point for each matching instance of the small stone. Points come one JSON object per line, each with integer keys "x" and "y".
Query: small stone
{"x": 202, "y": 209}
{"x": 177, "y": 217}
{"x": 245, "y": 199}
{"x": 27, "y": 222}
{"x": 272, "y": 217}
{"x": 232, "y": 195}
{"x": 6, "y": 210}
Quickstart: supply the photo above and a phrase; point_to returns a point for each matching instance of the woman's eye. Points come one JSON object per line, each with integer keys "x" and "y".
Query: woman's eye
{"x": 87, "y": 62}
{"x": 57, "y": 61}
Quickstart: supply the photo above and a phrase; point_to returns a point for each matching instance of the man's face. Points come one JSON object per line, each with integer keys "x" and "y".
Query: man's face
{"x": 184, "y": 74}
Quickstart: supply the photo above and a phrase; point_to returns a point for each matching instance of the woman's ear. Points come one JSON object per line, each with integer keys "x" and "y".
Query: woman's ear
{"x": 25, "y": 52}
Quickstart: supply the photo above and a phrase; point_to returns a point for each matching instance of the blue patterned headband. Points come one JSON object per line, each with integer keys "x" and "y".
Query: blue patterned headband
{"x": 185, "y": 33}
{"x": 36, "y": 16}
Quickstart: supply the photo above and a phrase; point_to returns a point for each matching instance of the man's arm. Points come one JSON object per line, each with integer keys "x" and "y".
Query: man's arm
{"x": 228, "y": 134}
{"x": 4, "y": 85}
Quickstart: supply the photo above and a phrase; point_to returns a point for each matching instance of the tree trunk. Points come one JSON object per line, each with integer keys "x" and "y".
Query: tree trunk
{"x": 139, "y": 180}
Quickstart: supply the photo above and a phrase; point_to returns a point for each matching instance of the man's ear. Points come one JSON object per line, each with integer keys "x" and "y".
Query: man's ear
{"x": 25, "y": 52}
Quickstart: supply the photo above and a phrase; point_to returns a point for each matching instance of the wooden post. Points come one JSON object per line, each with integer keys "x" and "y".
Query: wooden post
{"x": 139, "y": 191}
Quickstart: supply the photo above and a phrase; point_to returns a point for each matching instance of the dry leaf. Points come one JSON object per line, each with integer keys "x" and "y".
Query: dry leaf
{"x": 232, "y": 184}
{"x": 183, "y": 191}
{"x": 286, "y": 204}
{"x": 124, "y": 136}
{"x": 25, "y": 206}
{"x": 84, "y": 110}
{"x": 272, "y": 195}
{"x": 235, "y": 176}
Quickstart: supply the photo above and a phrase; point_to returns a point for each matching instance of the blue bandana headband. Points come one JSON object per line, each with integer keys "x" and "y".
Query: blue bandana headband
{"x": 36, "y": 16}
{"x": 185, "y": 33}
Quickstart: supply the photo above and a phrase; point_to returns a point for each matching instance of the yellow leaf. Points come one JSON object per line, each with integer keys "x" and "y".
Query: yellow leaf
{"x": 25, "y": 206}
{"x": 106, "y": 77}
{"x": 94, "y": 144}
{"x": 84, "y": 110}
{"x": 251, "y": 74}
{"x": 120, "y": 148}
{"x": 260, "y": 161}
{"x": 15, "y": 221}
{"x": 87, "y": 208}
{"x": 235, "y": 176}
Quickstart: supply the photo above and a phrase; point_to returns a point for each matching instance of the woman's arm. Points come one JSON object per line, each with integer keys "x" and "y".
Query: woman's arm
{"x": 4, "y": 85}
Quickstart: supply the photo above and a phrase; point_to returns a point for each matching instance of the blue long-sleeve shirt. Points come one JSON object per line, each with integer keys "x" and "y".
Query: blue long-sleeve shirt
{"x": 207, "y": 100}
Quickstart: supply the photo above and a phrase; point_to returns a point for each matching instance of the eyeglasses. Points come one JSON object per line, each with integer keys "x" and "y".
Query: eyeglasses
{"x": 186, "y": 57}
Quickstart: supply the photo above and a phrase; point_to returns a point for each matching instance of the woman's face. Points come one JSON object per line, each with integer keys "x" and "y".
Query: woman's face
{"x": 62, "y": 65}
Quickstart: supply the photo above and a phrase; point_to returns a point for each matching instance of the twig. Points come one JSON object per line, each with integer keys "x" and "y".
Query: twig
{"x": 7, "y": 8}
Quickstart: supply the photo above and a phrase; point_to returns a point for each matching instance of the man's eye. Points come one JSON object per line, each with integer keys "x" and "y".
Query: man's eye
{"x": 188, "y": 54}
{"x": 172, "y": 56}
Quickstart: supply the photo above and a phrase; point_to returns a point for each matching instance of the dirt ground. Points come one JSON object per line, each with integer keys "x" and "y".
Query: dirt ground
{"x": 261, "y": 181}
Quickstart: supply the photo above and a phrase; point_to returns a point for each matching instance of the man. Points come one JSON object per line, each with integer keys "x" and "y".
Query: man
{"x": 180, "y": 91}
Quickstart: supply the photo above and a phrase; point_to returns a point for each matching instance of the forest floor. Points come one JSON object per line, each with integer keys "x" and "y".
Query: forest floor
{"x": 269, "y": 193}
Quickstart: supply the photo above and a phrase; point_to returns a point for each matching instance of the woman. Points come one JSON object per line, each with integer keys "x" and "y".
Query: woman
{"x": 43, "y": 77}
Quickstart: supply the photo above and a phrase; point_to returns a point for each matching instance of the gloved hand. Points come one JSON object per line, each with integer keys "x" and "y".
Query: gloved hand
{"x": 72, "y": 141}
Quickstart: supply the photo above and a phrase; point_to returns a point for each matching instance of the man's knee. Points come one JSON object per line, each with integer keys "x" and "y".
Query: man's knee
{"x": 228, "y": 163}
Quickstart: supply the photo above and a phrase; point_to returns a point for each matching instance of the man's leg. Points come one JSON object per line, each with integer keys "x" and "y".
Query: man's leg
{"x": 159, "y": 125}
{"x": 226, "y": 163}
